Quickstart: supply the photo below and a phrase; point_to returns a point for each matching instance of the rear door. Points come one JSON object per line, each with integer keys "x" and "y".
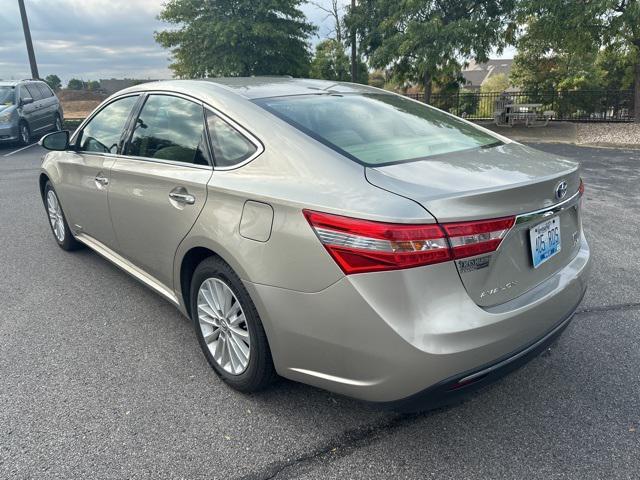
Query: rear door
{"x": 49, "y": 105}
{"x": 84, "y": 172}
{"x": 159, "y": 186}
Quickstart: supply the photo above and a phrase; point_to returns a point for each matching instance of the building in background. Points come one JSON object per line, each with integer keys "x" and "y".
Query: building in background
{"x": 475, "y": 74}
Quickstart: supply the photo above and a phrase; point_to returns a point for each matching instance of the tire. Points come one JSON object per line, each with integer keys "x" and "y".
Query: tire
{"x": 57, "y": 221}
{"x": 259, "y": 371}
{"x": 24, "y": 134}
{"x": 57, "y": 123}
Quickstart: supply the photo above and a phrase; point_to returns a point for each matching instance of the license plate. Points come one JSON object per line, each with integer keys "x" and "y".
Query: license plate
{"x": 545, "y": 241}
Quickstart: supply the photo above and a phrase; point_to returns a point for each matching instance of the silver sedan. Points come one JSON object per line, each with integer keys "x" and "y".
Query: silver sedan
{"x": 331, "y": 233}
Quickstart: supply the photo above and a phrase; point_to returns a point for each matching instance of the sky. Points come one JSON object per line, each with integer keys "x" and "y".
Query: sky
{"x": 94, "y": 39}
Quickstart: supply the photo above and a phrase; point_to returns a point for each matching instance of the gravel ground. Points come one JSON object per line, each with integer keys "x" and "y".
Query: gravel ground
{"x": 101, "y": 378}
{"x": 608, "y": 134}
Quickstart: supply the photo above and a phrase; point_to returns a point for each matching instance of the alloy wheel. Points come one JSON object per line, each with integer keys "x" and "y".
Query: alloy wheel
{"x": 224, "y": 326}
{"x": 24, "y": 134}
{"x": 55, "y": 216}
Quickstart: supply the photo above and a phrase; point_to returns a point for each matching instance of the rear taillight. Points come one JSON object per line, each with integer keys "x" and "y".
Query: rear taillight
{"x": 474, "y": 238}
{"x": 581, "y": 187}
{"x": 360, "y": 246}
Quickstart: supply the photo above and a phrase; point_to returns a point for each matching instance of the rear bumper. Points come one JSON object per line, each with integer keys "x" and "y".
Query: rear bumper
{"x": 457, "y": 387}
{"x": 406, "y": 334}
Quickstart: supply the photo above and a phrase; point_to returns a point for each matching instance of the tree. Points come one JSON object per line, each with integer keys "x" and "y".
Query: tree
{"x": 331, "y": 63}
{"x": 578, "y": 26}
{"x": 93, "y": 85}
{"x": 418, "y": 40}
{"x": 537, "y": 70}
{"x": 236, "y": 37}
{"x": 495, "y": 83}
{"x": 54, "y": 82}
{"x": 75, "y": 84}
{"x": 331, "y": 55}
{"x": 333, "y": 11}
{"x": 615, "y": 67}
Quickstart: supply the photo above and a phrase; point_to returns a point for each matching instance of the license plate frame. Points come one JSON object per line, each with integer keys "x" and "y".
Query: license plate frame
{"x": 545, "y": 240}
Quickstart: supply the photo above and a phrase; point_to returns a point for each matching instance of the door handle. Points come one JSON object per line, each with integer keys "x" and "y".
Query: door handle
{"x": 181, "y": 196}
{"x": 101, "y": 180}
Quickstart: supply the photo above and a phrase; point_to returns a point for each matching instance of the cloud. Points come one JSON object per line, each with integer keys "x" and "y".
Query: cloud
{"x": 86, "y": 39}
{"x": 93, "y": 39}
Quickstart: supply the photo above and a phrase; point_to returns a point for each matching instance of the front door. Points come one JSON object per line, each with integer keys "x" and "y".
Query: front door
{"x": 29, "y": 111}
{"x": 85, "y": 173}
{"x": 158, "y": 188}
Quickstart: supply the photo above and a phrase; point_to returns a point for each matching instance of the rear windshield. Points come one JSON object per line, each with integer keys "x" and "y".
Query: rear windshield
{"x": 377, "y": 129}
{"x": 7, "y": 96}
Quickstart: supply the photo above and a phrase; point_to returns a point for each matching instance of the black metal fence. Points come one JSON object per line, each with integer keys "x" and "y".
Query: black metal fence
{"x": 577, "y": 105}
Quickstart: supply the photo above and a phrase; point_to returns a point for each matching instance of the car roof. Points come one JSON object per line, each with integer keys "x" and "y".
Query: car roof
{"x": 263, "y": 87}
{"x": 15, "y": 83}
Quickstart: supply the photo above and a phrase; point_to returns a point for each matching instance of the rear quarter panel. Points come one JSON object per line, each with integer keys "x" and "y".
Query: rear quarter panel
{"x": 292, "y": 174}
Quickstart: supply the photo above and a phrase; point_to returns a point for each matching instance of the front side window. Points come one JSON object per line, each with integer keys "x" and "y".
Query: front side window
{"x": 102, "y": 133}
{"x": 24, "y": 94}
{"x": 170, "y": 128}
{"x": 378, "y": 129}
{"x": 230, "y": 147}
{"x": 34, "y": 91}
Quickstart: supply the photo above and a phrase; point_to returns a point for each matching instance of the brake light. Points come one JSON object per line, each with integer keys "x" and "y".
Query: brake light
{"x": 360, "y": 246}
{"x": 581, "y": 187}
{"x": 364, "y": 246}
{"x": 474, "y": 238}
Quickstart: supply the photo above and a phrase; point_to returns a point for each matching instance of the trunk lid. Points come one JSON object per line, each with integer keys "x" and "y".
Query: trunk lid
{"x": 507, "y": 180}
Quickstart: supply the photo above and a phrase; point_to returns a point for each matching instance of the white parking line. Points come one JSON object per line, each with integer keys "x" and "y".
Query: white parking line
{"x": 20, "y": 149}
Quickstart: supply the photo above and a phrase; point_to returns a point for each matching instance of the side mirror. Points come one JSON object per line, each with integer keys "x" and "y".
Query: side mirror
{"x": 26, "y": 101}
{"x": 57, "y": 141}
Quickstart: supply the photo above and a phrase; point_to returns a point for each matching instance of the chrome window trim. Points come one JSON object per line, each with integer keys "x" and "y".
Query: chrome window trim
{"x": 98, "y": 109}
{"x": 547, "y": 211}
{"x": 164, "y": 162}
{"x": 149, "y": 160}
{"x": 243, "y": 131}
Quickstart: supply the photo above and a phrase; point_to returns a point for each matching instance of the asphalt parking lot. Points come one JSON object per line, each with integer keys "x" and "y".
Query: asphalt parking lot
{"x": 102, "y": 378}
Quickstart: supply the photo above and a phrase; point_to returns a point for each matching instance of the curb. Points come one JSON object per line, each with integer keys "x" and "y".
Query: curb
{"x": 629, "y": 146}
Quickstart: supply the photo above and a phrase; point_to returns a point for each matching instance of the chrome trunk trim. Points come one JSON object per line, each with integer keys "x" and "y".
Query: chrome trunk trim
{"x": 552, "y": 210}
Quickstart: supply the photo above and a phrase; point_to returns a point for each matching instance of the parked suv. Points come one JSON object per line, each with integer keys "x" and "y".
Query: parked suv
{"x": 27, "y": 108}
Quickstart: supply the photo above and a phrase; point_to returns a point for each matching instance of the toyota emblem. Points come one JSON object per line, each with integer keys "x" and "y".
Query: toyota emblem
{"x": 561, "y": 190}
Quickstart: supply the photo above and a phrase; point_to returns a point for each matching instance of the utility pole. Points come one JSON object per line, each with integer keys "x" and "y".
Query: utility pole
{"x": 354, "y": 62}
{"x": 27, "y": 39}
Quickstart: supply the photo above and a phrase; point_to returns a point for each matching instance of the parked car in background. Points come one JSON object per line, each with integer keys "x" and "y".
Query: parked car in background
{"x": 333, "y": 233}
{"x": 28, "y": 108}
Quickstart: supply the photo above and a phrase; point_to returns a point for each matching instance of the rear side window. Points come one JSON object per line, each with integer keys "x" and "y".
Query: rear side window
{"x": 229, "y": 146}
{"x": 170, "y": 128}
{"x": 34, "y": 91}
{"x": 102, "y": 133}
